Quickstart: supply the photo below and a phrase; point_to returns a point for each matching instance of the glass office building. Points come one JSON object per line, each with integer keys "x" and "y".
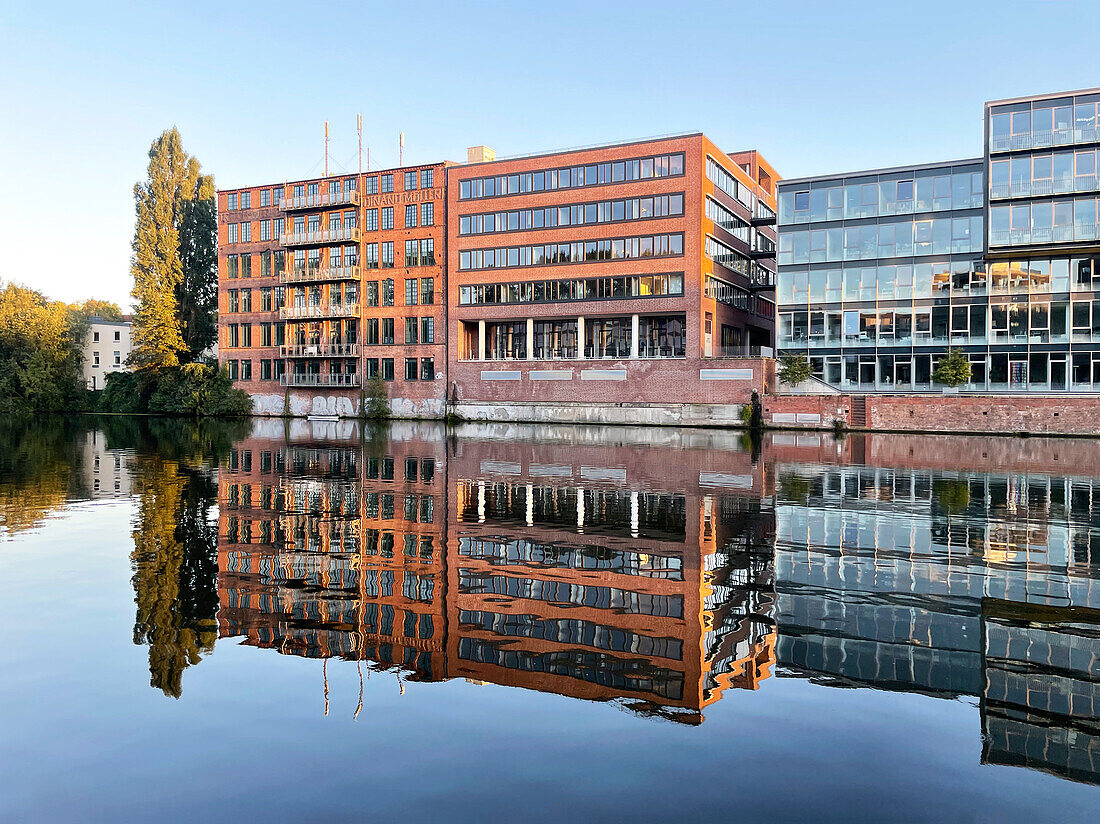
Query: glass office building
{"x": 882, "y": 271}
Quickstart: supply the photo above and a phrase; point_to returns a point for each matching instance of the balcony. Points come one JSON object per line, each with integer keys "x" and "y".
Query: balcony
{"x": 315, "y": 236}
{"x": 317, "y": 274}
{"x": 321, "y": 350}
{"x": 763, "y": 216}
{"x": 319, "y": 311}
{"x": 322, "y": 380}
{"x": 321, "y": 200}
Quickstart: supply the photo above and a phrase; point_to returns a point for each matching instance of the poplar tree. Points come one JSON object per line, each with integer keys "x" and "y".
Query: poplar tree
{"x": 171, "y": 252}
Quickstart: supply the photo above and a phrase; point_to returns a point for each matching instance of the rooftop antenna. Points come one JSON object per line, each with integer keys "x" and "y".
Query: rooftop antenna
{"x": 401, "y": 150}
{"x": 326, "y": 148}
{"x": 359, "y": 129}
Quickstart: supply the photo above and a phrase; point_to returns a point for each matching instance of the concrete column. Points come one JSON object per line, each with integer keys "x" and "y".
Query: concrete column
{"x": 634, "y": 336}
{"x": 580, "y": 509}
{"x": 580, "y": 337}
{"x": 530, "y": 339}
{"x": 481, "y": 340}
{"x": 481, "y": 502}
{"x": 634, "y": 517}
{"x": 530, "y": 504}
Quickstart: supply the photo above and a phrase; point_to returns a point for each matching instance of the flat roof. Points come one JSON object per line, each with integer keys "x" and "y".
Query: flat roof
{"x": 916, "y": 167}
{"x": 1030, "y": 97}
{"x": 105, "y": 322}
{"x": 585, "y": 148}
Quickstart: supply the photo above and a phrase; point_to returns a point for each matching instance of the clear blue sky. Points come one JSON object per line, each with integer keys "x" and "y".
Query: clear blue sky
{"x": 818, "y": 87}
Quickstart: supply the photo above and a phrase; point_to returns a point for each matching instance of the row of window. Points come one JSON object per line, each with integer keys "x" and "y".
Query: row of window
{"x": 960, "y": 278}
{"x": 662, "y": 336}
{"x": 117, "y": 358}
{"x": 1044, "y": 174}
{"x": 900, "y": 193}
{"x": 732, "y": 295}
{"x": 967, "y": 324}
{"x": 422, "y": 369}
{"x": 1037, "y": 371}
{"x": 576, "y": 214}
{"x": 415, "y": 215}
{"x": 1043, "y": 123}
{"x": 722, "y": 216}
{"x": 573, "y": 177}
{"x": 897, "y": 238}
{"x": 243, "y": 200}
{"x": 380, "y": 331}
{"x": 720, "y": 177}
{"x": 417, "y": 253}
{"x": 271, "y": 263}
{"x": 645, "y": 246}
{"x": 605, "y": 288}
{"x": 1060, "y": 221}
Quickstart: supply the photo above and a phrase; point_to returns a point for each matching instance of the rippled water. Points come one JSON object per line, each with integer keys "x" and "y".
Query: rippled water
{"x": 288, "y": 620}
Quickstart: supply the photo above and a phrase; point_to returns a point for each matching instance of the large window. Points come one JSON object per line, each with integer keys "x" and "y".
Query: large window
{"x": 555, "y": 340}
{"x": 661, "y": 337}
{"x": 572, "y": 289}
{"x": 506, "y": 341}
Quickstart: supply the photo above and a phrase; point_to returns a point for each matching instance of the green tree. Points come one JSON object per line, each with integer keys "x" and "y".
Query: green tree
{"x": 953, "y": 369}
{"x": 793, "y": 368}
{"x": 164, "y": 202}
{"x": 378, "y": 398}
{"x": 197, "y": 292}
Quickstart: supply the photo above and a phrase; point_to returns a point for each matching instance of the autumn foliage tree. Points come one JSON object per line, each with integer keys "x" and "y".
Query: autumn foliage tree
{"x": 41, "y": 344}
{"x": 174, "y": 263}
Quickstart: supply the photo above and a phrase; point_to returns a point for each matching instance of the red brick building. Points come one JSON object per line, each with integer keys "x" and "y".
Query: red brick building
{"x": 637, "y": 273}
{"x": 324, "y": 283}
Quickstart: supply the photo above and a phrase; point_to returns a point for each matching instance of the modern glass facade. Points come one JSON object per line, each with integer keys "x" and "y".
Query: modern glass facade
{"x": 880, "y": 272}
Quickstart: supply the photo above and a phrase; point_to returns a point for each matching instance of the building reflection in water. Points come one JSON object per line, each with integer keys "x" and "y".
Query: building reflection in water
{"x": 980, "y": 581}
{"x": 584, "y": 570}
{"x": 659, "y": 569}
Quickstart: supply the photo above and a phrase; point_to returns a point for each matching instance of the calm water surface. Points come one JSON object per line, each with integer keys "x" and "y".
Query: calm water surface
{"x": 278, "y": 621}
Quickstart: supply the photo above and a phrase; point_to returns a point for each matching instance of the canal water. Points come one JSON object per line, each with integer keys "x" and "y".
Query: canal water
{"x": 290, "y": 620}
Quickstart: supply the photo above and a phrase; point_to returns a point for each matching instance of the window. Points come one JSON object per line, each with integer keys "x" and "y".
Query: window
{"x": 387, "y": 183}
{"x": 427, "y": 369}
{"x": 246, "y": 200}
{"x": 410, "y": 331}
{"x": 645, "y": 246}
{"x": 412, "y": 253}
{"x": 387, "y": 331}
{"x": 387, "y": 369}
{"x": 233, "y": 230}
{"x": 265, "y": 334}
{"x": 233, "y": 296}
{"x": 118, "y": 336}
{"x": 427, "y": 291}
{"x": 427, "y": 214}
{"x": 370, "y": 223}
{"x": 410, "y": 216}
{"x": 427, "y": 252}
{"x": 246, "y": 232}
{"x": 95, "y": 358}
{"x": 410, "y": 291}
{"x": 427, "y": 177}
{"x": 246, "y": 370}
{"x": 410, "y": 181}
{"x": 265, "y": 197}
{"x": 265, "y": 370}
{"x": 372, "y": 255}
{"x": 387, "y": 217}
{"x": 669, "y": 165}
{"x": 231, "y": 201}
{"x": 427, "y": 330}
{"x": 95, "y": 335}
{"x": 411, "y": 370}
{"x": 231, "y": 366}
{"x": 387, "y": 258}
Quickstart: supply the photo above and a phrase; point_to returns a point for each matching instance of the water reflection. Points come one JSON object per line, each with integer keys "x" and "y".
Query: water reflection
{"x": 656, "y": 570}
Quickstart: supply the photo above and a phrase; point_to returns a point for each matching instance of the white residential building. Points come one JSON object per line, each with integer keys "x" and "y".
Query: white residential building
{"x": 105, "y": 350}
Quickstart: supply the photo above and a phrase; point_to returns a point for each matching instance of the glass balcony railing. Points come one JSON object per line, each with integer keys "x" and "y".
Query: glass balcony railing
{"x": 314, "y": 274}
{"x": 320, "y": 200}
{"x": 321, "y": 380}
{"x": 311, "y": 311}
{"x": 321, "y": 350}
{"x": 1042, "y": 139}
{"x": 306, "y": 237}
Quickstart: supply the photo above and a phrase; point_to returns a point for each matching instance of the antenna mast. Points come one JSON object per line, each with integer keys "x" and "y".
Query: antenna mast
{"x": 326, "y": 148}
{"x": 359, "y": 129}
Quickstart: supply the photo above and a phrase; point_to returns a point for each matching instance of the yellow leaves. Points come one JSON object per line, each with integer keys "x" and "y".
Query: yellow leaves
{"x": 29, "y": 321}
